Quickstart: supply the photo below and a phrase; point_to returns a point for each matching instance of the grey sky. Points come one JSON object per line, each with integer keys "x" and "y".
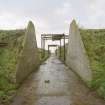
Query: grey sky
{"x": 52, "y": 16}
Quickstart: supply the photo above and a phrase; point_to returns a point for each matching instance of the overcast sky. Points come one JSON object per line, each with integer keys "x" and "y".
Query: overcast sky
{"x": 52, "y": 16}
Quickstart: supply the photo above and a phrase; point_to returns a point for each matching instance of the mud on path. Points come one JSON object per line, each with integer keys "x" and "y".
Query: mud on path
{"x": 55, "y": 84}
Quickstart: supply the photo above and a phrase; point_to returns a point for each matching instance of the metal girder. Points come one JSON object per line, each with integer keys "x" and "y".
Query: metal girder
{"x": 52, "y": 45}
{"x": 53, "y": 37}
{"x": 2, "y": 44}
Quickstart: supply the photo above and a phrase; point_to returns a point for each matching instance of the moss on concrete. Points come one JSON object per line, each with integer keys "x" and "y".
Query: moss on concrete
{"x": 40, "y": 54}
{"x": 28, "y": 59}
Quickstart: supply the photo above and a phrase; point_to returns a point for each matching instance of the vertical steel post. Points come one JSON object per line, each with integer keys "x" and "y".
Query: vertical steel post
{"x": 48, "y": 49}
{"x": 64, "y": 49}
{"x": 41, "y": 47}
{"x": 60, "y": 48}
{"x": 56, "y": 51}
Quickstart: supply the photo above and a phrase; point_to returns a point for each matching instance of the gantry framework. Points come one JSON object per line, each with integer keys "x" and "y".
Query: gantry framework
{"x": 52, "y": 45}
{"x": 53, "y": 37}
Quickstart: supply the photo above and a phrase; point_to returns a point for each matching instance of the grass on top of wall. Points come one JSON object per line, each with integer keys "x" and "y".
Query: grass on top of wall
{"x": 8, "y": 61}
{"x": 94, "y": 42}
{"x": 8, "y": 56}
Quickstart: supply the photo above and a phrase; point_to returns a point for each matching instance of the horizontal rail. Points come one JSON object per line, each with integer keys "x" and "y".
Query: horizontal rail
{"x": 2, "y": 44}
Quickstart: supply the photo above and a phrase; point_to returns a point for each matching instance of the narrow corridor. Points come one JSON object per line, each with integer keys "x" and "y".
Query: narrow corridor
{"x": 55, "y": 84}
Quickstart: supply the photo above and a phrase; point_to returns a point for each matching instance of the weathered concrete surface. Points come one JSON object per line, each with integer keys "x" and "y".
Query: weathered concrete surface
{"x": 28, "y": 59}
{"x": 37, "y": 90}
{"x": 77, "y": 59}
{"x": 55, "y": 84}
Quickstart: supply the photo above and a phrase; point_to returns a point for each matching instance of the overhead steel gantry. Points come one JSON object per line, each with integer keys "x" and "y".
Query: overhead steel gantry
{"x": 53, "y": 37}
{"x": 52, "y": 45}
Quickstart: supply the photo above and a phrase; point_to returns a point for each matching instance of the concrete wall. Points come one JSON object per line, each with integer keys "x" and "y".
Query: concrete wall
{"x": 76, "y": 58}
{"x": 28, "y": 59}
